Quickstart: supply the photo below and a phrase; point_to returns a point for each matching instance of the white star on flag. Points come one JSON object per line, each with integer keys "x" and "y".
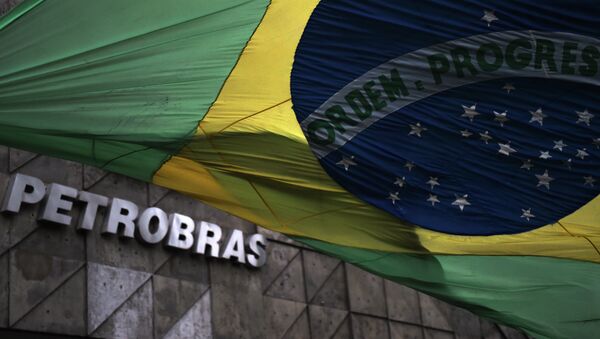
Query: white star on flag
{"x": 461, "y": 202}
{"x": 465, "y": 133}
{"x": 489, "y": 17}
{"x": 581, "y": 153}
{"x": 527, "y": 164}
{"x": 399, "y": 182}
{"x": 508, "y": 87}
{"x": 584, "y": 117}
{"x": 393, "y": 197}
{"x": 433, "y": 199}
{"x": 537, "y": 116}
{"x": 527, "y": 214}
{"x": 470, "y": 112}
{"x": 559, "y": 145}
{"x": 410, "y": 165}
{"x": 501, "y": 117}
{"x": 433, "y": 181}
{"x": 589, "y": 181}
{"x": 416, "y": 129}
{"x": 346, "y": 162}
{"x": 544, "y": 179}
{"x": 485, "y": 137}
{"x": 506, "y": 149}
{"x": 545, "y": 155}
{"x": 596, "y": 142}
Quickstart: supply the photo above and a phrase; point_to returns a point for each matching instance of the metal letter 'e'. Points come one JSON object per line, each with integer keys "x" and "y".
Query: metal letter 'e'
{"x": 54, "y": 203}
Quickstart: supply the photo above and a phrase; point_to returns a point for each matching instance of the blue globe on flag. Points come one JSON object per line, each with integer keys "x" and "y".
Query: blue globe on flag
{"x": 490, "y": 129}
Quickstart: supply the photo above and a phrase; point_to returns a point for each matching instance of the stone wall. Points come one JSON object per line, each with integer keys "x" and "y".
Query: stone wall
{"x": 55, "y": 279}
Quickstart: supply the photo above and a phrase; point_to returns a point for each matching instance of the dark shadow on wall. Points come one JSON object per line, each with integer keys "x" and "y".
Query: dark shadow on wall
{"x": 5, "y": 333}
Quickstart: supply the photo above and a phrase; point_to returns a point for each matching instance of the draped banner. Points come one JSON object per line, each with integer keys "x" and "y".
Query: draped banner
{"x": 452, "y": 146}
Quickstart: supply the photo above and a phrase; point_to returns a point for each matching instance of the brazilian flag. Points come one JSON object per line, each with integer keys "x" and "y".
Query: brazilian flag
{"x": 451, "y": 146}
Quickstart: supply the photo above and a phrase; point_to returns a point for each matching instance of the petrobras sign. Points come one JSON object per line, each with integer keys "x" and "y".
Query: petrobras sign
{"x": 125, "y": 219}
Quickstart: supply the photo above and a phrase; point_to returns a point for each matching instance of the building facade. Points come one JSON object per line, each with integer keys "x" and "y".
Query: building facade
{"x": 56, "y": 279}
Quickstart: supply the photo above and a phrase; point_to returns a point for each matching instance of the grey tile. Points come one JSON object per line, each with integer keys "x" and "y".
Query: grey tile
{"x": 333, "y": 293}
{"x": 5, "y": 220}
{"x": 4, "y": 290}
{"x": 402, "y": 303}
{"x": 280, "y": 315}
{"x": 366, "y": 292}
{"x": 300, "y": 328}
{"x": 22, "y": 224}
{"x": 511, "y": 333}
{"x": 344, "y": 331}
{"x": 18, "y": 158}
{"x": 405, "y": 331}
{"x": 173, "y": 298}
{"x": 133, "y": 319}
{"x": 62, "y": 312}
{"x": 465, "y": 324}
{"x": 196, "y": 323}
{"x": 91, "y": 175}
{"x": 186, "y": 266}
{"x": 126, "y": 253}
{"x": 325, "y": 321}
{"x": 174, "y": 202}
{"x": 278, "y": 258}
{"x": 62, "y": 171}
{"x": 107, "y": 289}
{"x": 56, "y": 240}
{"x": 33, "y": 277}
{"x": 437, "y": 334}
{"x": 490, "y": 330}
{"x": 237, "y": 301}
{"x": 435, "y": 313}
{"x": 318, "y": 268}
{"x": 365, "y": 327}
{"x": 155, "y": 193}
{"x": 114, "y": 185}
{"x": 290, "y": 283}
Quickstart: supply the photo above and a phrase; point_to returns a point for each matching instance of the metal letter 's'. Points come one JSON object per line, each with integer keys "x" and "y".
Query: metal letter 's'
{"x": 257, "y": 244}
